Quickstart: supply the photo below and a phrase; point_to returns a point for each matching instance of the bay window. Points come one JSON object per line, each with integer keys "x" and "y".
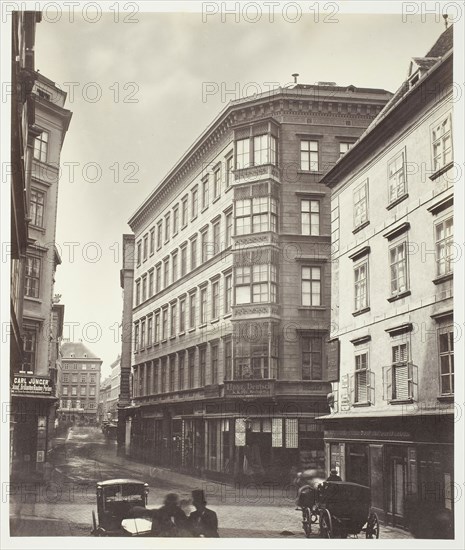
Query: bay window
{"x": 256, "y": 284}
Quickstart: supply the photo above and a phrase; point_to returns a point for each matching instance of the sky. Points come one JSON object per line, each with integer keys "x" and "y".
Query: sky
{"x": 138, "y": 96}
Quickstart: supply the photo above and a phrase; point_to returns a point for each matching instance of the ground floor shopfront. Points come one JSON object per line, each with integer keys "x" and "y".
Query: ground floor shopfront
{"x": 32, "y": 421}
{"x": 407, "y": 461}
{"x": 237, "y": 440}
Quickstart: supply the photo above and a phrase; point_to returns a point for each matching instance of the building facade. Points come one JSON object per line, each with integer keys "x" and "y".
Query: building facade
{"x": 43, "y": 122}
{"x": 115, "y": 383}
{"x": 79, "y": 384}
{"x": 392, "y": 420}
{"x": 231, "y": 288}
{"x": 104, "y": 394}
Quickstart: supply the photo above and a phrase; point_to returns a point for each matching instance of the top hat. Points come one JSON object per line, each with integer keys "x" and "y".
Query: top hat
{"x": 198, "y": 496}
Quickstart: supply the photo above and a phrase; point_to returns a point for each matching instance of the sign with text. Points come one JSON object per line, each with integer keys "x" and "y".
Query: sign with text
{"x": 31, "y": 385}
{"x": 248, "y": 387}
{"x": 333, "y": 360}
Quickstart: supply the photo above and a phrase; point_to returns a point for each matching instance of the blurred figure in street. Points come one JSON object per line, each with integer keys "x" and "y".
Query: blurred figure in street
{"x": 204, "y": 522}
{"x": 334, "y": 476}
{"x": 170, "y": 520}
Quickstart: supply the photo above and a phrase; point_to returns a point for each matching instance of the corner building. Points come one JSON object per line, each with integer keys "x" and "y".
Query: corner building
{"x": 231, "y": 308}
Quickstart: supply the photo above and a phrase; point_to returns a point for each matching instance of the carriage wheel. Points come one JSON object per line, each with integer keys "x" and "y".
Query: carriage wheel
{"x": 372, "y": 530}
{"x": 306, "y": 522}
{"x": 326, "y": 525}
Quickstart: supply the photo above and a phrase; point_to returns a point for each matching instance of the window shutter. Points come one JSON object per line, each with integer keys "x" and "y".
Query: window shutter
{"x": 292, "y": 433}
{"x": 371, "y": 387}
{"x": 401, "y": 374}
{"x": 387, "y": 383}
{"x": 352, "y": 388}
{"x": 413, "y": 381}
{"x": 277, "y": 432}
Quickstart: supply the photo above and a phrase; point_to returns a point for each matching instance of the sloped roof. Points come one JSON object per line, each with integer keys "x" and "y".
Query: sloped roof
{"x": 78, "y": 349}
{"x": 440, "y": 49}
{"x": 443, "y": 44}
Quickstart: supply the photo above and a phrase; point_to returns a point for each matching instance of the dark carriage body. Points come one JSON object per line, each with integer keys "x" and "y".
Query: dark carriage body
{"x": 344, "y": 509}
{"x": 116, "y": 499}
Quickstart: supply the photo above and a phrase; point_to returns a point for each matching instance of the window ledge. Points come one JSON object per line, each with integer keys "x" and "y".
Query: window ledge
{"x": 446, "y": 397}
{"x": 316, "y": 172}
{"x": 441, "y": 171}
{"x": 362, "y": 404}
{"x": 183, "y": 333}
{"x": 214, "y": 321}
{"x": 227, "y": 316}
{"x": 203, "y": 325}
{"x": 174, "y": 234}
{"x": 216, "y": 199}
{"x": 443, "y": 278}
{"x": 360, "y": 227}
{"x": 37, "y": 228}
{"x": 399, "y": 296}
{"x": 164, "y": 341}
{"x": 361, "y": 311}
{"x": 305, "y": 308}
{"x": 397, "y": 201}
{"x": 172, "y": 337}
{"x": 204, "y": 209}
{"x": 191, "y": 330}
{"x": 32, "y": 299}
{"x": 401, "y": 401}
{"x": 194, "y": 218}
{"x": 228, "y": 188}
{"x": 183, "y": 226}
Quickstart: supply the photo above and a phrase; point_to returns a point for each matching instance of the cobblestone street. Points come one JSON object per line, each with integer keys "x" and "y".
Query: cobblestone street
{"x": 64, "y": 505}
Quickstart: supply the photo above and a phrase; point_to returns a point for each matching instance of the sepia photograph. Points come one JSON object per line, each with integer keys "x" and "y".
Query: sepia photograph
{"x": 229, "y": 256}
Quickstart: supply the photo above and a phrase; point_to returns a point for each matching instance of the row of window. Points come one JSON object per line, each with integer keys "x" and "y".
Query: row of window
{"x": 178, "y": 217}
{"x": 441, "y": 140}
{"x": 177, "y": 265}
{"x": 75, "y": 366}
{"x": 197, "y": 307}
{"x": 77, "y": 404}
{"x": 199, "y": 366}
{"x": 400, "y": 377}
{"x": 251, "y": 215}
{"x": 73, "y": 390}
{"x": 74, "y": 378}
{"x": 399, "y": 264}
{"x": 184, "y": 370}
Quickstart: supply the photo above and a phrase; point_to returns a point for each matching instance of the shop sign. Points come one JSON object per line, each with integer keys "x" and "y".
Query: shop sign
{"x": 368, "y": 434}
{"x": 31, "y": 385}
{"x": 248, "y": 388}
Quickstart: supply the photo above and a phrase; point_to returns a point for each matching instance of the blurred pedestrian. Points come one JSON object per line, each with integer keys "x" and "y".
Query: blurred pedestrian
{"x": 334, "y": 476}
{"x": 204, "y": 522}
{"x": 170, "y": 520}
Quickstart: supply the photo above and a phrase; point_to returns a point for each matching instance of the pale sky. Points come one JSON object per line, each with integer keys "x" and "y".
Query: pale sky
{"x": 162, "y": 62}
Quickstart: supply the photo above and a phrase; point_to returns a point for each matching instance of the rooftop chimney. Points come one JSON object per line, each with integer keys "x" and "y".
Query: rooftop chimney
{"x": 295, "y": 75}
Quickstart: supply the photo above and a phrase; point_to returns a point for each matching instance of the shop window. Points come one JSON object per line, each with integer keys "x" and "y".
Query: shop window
{"x": 277, "y": 432}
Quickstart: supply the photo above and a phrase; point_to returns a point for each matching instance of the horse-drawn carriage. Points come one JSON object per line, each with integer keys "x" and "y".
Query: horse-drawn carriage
{"x": 340, "y": 508}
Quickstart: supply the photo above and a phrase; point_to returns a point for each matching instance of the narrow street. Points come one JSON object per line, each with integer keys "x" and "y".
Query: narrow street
{"x": 64, "y": 505}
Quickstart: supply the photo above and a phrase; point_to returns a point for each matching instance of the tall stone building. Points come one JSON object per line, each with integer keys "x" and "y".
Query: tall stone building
{"x": 231, "y": 288}
{"x": 392, "y": 421}
{"x": 41, "y": 120}
{"x": 79, "y": 384}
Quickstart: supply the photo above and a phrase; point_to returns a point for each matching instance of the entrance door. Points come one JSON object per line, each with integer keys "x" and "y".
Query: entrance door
{"x": 397, "y": 490}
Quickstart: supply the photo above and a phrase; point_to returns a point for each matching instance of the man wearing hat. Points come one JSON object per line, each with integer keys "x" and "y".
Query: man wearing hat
{"x": 334, "y": 476}
{"x": 204, "y": 522}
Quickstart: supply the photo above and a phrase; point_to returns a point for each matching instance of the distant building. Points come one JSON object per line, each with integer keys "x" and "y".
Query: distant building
{"x": 104, "y": 395}
{"x": 115, "y": 382}
{"x": 79, "y": 384}
{"x": 230, "y": 298}
{"x": 392, "y": 421}
{"x": 39, "y": 126}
